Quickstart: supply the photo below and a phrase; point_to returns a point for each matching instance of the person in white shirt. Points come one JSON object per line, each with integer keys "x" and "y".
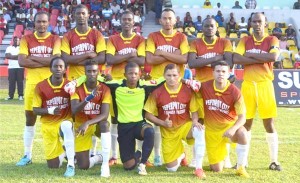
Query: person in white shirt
{"x": 15, "y": 72}
{"x": 60, "y": 29}
{"x": 115, "y": 7}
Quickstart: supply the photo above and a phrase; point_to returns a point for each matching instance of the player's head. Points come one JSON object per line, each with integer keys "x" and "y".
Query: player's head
{"x": 209, "y": 27}
{"x": 16, "y": 41}
{"x": 132, "y": 73}
{"x": 172, "y": 74}
{"x": 258, "y": 22}
{"x": 221, "y": 71}
{"x": 168, "y": 19}
{"x": 41, "y": 22}
{"x": 58, "y": 67}
{"x": 91, "y": 70}
{"x": 127, "y": 21}
{"x": 81, "y": 15}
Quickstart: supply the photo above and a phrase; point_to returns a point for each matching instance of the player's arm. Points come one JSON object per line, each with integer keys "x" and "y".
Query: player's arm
{"x": 28, "y": 63}
{"x": 45, "y": 61}
{"x": 131, "y": 57}
{"x": 77, "y": 59}
{"x": 198, "y": 62}
{"x": 100, "y": 58}
{"x": 10, "y": 56}
{"x": 262, "y": 57}
{"x": 175, "y": 57}
{"x": 240, "y": 59}
{"x": 153, "y": 119}
{"x": 77, "y": 106}
{"x": 154, "y": 59}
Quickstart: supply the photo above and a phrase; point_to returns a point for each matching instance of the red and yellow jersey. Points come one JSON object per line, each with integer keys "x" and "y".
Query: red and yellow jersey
{"x": 168, "y": 43}
{"x": 74, "y": 43}
{"x": 178, "y": 105}
{"x": 93, "y": 107}
{"x": 47, "y": 95}
{"x": 205, "y": 50}
{"x": 32, "y": 45}
{"x": 221, "y": 107}
{"x": 120, "y": 45}
{"x": 258, "y": 72}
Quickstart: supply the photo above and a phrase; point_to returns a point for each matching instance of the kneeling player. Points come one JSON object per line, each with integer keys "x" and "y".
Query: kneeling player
{"x": 53, "y": 104}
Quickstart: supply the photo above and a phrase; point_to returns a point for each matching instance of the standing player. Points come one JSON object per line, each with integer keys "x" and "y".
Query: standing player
{"x": 121, "y": 49}
{"x": 36, "y": 52}
{"x": 258, "y": 53}
{"x": 224, "y": 118}
{"x": 169, "y": 106}
{"x": 203, "y": 53}
{"x": 164, "y": 47}
{"x": 82, "y": 43}
{"x": 53, "y": 104}
{"x": 90, "y": 107}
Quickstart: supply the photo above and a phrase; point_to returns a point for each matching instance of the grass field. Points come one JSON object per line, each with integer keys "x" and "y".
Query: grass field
{"x": 11, "y": 149}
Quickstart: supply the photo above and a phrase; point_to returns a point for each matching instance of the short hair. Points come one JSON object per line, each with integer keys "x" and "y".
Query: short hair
{"x": 130, "y": 65}
{"x": 41, "y": 13}
{"x": 258, "y": 13}
{"x": 171, "y": 66}
{"x": 208, "y": 18}
{"x": 58, "y": 58}
{"x": 168, "y": 10}
{"x": 81, "y": 6}
{"x": 90, "y": 62}
{"x": 221, "y": 63}
{"x": 127, "y": 12}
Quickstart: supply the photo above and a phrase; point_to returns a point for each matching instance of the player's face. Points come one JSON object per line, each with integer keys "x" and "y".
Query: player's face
{"x": 132, "y": 75}
{"x": 41, "y": 23}
{"x": 167, "y": 20}
{"x": 127, "y": 22}
{"x": 91, "y": 72}
{"x": 172, "y": 77}
{"x": 258, "y": 23}
{"x": 221, "y": 73}
{"x": 209, "y": 28}
{"x": 58, "y": 68}
{"x": 81, "y": 16}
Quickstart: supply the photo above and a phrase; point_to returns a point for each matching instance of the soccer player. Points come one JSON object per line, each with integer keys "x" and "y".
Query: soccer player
{"x": 169, "y": 106}
{"x": 164, "y": 47}
{"x": 121, "y": 49}
{"x": 53, "y": 104}
{"x": 203, "y": 53}
{"x": 82, "y": 43}
{"x": 224, "y": 118}
{"x": 90, "y": 107}
{"x": 257, "y": 53}
{"x": 36, "y": 52}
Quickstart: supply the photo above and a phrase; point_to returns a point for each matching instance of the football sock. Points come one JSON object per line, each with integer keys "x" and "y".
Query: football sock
{"x": 114, "y": 139}
{"x": 148, "y": 144}
{"x": 248, "y": 145}
{"x": 199, "y": 146}
{"x": 242, "y": 154}
{"x": 61, "y": 158}
{"x": 95, "y": 159}
{"x": 68, "y": 136}
{"x": 179, "y": 159}
{"x": 272, "y": 139}
{"x": 157, "y": 141}
{"x": 29, "y": 132}
{"x": 228, "y": 148}
{"x": 93, "y": 151}
{"x": 106, "y": 145}
{"x": 139, "y": 145}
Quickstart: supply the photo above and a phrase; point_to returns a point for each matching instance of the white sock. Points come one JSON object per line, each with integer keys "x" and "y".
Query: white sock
{"x": 194, "y": 153}
{"x": 106, "y": 145}
{"x": 93, "y": 151}
{"x": 139, "y": 145}
{"x": 67, "y": 130}
{"x": 95, "y": 160}
{"x": 61, "y": 158}
{"x": 242, "y": 154}
{"x": 199, "y": 136}
{"x": 29, "y": 132}
{"x": 157, "y": 141}
{"x": 179, "y": 159}
{"x": 114, "y": 140}
{"x": 249, "y": 136}
{"x": 272, "y": 139}
{"x": 228, "y": 148}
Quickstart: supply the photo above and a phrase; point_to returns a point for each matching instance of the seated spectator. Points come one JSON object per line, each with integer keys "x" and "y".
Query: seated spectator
{"x": 219, "y": 19}
{"x": 237, "y": 5}
{"x": 46, "y": 4}
{"x": 43, "y": 8}
{"x": 297, "y": 60}
{"x": 106, "y": 12}
{"x": 207, "y": 5}
{"x": 61, "y": 17}
{"x": 34, "y": 10}
{"x": 250, "y": 4}
{"x": 72, "y": 23}
{"x": 73, "y": 6}
{"x": 116, "y": 23}
{"x": 218, "y": 6}
{"x": 178, "y": 22}
{"x": 30, "y": 19}
{"x": 115, "y": 7}
{"x": 60, "y": 29}
{"x": 96, "y": 6}
{"x": 27, "y": 3}
{"x": 95, "y": 18}
{"x": 137, "y": 18}
{"x": 66, "y": 7}
{"x": 3, "y": 24}
{"x": 36, "y": 2}
{"x": 56, "y": 4}
{"x": 297, "y": 5}
{"x": 188, "y": 21}
{"x": 277, "y": 31}
{"x": 198, "y": 24}
{"x": 6, "y": 16}
{"x": 190, "y": 31}
{"x": 290, "y": 32}
{"x": 231, "y": 15}
{"x": 21, "y": 16}
{"x": 242, "y": 27}
{"x": 283, "y": 43}
{"x": 136, "y": 5}
{"x": 104, "y": 27}
{"x": 231, "y": 27}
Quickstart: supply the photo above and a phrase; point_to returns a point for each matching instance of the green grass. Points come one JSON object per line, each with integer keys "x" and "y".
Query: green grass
{"x": 11, "y": 149}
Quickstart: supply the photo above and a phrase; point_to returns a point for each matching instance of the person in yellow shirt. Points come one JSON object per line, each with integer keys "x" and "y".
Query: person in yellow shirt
{"x": 207, "y": 5}
{"x": 190, "y": 31}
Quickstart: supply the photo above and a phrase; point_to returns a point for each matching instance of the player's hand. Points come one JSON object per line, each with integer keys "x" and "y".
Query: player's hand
{"x": 70, "y": 87}
{"x": 194, "y": 84}
{"x": 82, "y": 129}
{"x": 168, "y": 122}
{"x": 219, "y": 57}
{"x": 133, "y": 54}
{"x": 92, "y": 55}
{"x": 177, "y": 52}
{"x": 158, "y": 52}
{"x": 96, "y": 92}
{"x": 108, "y": 77}
{"x": 198, "y": 125}
{"x": 229, "y": 133}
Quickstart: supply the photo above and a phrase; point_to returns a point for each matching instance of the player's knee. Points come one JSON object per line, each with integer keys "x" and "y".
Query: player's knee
{"x": 104, "y": 126}
{"x": 130, "y": 165}
{"x": 242, "y": 135}
{"x": 83, "y": 165}
{"x": 149, "y": 133}
{"x": 30, "y": 118}
{"x": 216, "y": 168}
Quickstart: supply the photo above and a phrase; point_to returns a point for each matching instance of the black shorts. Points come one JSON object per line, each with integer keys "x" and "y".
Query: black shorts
{"x": 127, "y": 133}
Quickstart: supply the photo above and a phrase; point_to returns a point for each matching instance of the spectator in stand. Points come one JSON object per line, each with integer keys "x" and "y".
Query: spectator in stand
{"x": 30, "y": 19}
{"x": 3, "y": 24}
{"x": 187, "y": 19}
{"x": 6, "y": 16}
{"x": 104, "y": 27}
{"x": 190, "y": 30}
{"x": 237, "y": 5}
{"x": 10, "y": 6}
{"x": 73, "y": 6}
{"x": 15, "y": 72}
{"x": 95, "y": 19}
{"x": 32, "y": 7}
{"x": 297, "y": 60}
{"x": 72, "y": 23}
{"x": 207, "y": 5}
{"x": 66, "y": 7}
{"x": 43, "y": 8}
{"x": 20, "y": 16}
{"x": 115, "y": 7}
{"x": 218, "y": 6}
{"x": 283, "y": 43}
{"x": 56, "y": 4}
{"x": 290, "y": 32}
{"x": 61, "y": 17}
{"x": 137, "y": 18}
{"x": 116, "y": 23}
{"x": 36, "y": 2}
{"x": 219, "y": 19}
{"x": 250, "y": 4}
{"x": 297, "y": 5}
{"x": 178, "y": 22}
{"x": 1, "y": 8}
{"x": 242, "y": 27}
{"x": 227, "y": 20}
{"x": 46, "y": 2}
{"x": 231, "y": 27}
{"x": 277, "y": 31}
{"x": 96, "y": 6}
{"x": 60, "y": 29}
{"x": 106, "y": 11}
{"x": 198, "y": 24}
{"x": 158, "y": 10}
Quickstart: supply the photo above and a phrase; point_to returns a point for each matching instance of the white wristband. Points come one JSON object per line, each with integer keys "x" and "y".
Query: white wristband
{"x": 51, "y": 110}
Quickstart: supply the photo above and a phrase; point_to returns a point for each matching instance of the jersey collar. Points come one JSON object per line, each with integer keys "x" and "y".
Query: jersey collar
{"x": 172, "y": 35}
{"x": 55, "y": 87}
{"x": 79, "y": 34}
{"x": 45, "y": 37}
{"x": 213, "y": 43}
{"x": 221, "y": 91}
{"x": 173, "y": 92}
{"x": 127, "y": 39}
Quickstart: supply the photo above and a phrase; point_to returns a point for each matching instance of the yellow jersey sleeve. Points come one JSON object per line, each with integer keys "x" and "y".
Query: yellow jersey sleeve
{"x": 100, "y": 45}
{"x": 227, "y": 46}
{"x": 241, "y": 49}
{"x": 65, "y": 45}
{"x": 141, "y": 49}
{"x": 184, "y": 46}
{"x": 150, "y": 46}
{"x": 57, "y": 46}
{"x": 194, "y": 103}
{"x": 274, "y": 45}
{"x": 37, "y": 100}
{"x": 111, "y": 49}
{"x": 239, "y": 106}
{"x": 107, "y": 97}
{"x": 23, "y": 46}
{"x": 150, "y": 105}
{"x": 193, "y": 48}
{"x": 75, "y": 96}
